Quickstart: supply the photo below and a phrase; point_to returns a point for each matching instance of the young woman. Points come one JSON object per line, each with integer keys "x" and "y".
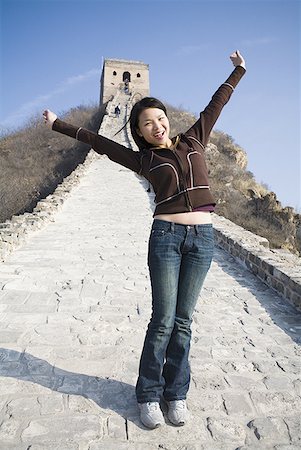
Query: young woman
{"x": 181, "y": 240}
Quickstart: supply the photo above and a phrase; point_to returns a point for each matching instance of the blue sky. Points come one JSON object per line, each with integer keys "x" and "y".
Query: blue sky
{"x": 52, "y": 53}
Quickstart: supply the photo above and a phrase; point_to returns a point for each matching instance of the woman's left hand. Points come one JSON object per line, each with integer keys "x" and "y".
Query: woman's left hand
{"x": 49, "y": 117}
{"x": 237, "y": 59}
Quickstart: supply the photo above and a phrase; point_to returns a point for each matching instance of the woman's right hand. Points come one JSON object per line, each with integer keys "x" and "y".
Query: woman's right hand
{"x": 49, "y": 117}
{"x": 237, "y": 59}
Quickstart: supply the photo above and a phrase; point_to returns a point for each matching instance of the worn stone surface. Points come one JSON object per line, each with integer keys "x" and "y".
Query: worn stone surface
{"x": 75, "y": 301}
{"x": 278, "y": 269}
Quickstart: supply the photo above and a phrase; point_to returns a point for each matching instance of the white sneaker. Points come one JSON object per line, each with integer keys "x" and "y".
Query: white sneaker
{"x": 177, "y": 412}
{"x": 151, "y": 415}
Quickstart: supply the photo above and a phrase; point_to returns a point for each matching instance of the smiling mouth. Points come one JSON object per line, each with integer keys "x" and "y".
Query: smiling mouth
{"x": 159, "y": 135}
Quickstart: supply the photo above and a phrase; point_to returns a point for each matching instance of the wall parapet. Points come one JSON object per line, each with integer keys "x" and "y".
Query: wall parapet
{"x": 279, "y": 269}
{"x": 15, "y": 231}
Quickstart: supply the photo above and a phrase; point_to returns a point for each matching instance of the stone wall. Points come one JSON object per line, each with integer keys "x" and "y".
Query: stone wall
{"x": 14, "y": 232}
{"x": 279, "y": 269}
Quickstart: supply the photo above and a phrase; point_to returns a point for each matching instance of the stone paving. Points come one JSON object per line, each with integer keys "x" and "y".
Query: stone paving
{"x": 74, "y": 305}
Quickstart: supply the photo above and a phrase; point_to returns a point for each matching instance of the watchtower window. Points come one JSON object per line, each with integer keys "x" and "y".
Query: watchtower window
{"x": 126, "y": 76}
{"x": 138, "y": 75}
{"x": 114, "y": 73}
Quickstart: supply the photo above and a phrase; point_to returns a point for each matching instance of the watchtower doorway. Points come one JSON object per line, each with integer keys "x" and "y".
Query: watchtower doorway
{"x": 126, "y": 76}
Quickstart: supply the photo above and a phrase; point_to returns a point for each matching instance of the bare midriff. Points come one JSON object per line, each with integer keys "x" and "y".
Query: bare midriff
{"x": 188, "y": 218}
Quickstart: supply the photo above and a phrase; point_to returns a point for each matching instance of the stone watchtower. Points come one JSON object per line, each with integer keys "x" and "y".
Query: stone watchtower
{"x": 129, "y": 76}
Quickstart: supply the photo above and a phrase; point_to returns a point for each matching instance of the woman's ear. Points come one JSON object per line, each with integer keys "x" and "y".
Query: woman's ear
{"x": 138, "y": 132}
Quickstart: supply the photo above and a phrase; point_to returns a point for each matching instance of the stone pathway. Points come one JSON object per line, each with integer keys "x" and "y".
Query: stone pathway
{"x": 74, "y": 306}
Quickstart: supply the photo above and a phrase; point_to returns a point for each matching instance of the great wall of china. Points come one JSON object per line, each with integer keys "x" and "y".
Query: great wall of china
{"x": 279, "y": 270}
{"x": 75, "y": 302}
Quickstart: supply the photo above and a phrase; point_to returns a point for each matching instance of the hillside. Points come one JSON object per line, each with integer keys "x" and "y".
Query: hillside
{"x": 239, "y": 197}
{"x": 34, "y": 160}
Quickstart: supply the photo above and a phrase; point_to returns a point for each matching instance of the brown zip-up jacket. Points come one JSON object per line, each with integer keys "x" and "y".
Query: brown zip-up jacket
{"x": 178, "y": 175}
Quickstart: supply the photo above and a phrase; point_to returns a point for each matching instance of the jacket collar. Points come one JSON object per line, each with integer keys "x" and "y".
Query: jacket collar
{"x": 175, "y": 140}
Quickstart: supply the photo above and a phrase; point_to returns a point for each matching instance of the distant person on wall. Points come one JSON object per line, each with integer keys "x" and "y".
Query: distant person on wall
{"x": 117, "y": 110}
{"x": 126, "y": 86}
{"x": 181, "y": 240}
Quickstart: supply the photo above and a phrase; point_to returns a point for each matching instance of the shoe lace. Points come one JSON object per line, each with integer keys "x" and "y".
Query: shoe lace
{"x": 179, "y": 404}
{"x": 182, "y": 404}
{"x": 152, "y": 406}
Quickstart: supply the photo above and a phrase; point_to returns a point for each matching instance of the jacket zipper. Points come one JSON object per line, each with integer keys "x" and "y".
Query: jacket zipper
{"x": 188, "y": 203}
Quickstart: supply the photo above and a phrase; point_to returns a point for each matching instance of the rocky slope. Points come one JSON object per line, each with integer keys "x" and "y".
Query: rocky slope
{"x": 239, "y": 197}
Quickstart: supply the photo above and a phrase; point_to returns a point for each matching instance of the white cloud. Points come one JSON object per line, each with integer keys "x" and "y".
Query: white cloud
{"x": 81, "y": 78}
{"x": 259, "y": 41}
{"x": 186, "y": 50}
{"x": 30, "y": 108}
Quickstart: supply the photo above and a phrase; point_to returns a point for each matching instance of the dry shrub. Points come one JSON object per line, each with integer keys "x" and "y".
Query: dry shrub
{"x": 34, "y": 160}
{"x": 180, "y": 121}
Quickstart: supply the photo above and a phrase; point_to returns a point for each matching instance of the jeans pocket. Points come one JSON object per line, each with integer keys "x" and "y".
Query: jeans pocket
{"x": 158, "y": 233}
{"x": 206, "y": 238}
{"x": 208, "y": 235}
{"x": 160, "y": 228}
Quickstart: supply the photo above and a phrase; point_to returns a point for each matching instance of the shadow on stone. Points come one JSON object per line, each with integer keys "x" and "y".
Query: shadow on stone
{"x": 108, "y": 394}
{"x": 281, "y": 313}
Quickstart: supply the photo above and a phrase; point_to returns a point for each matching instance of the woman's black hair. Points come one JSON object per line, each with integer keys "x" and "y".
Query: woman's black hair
{"x": 141, "y": 105}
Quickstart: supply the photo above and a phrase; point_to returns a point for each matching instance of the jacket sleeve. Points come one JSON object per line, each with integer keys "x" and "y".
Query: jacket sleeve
{"x": 116, "y": 152}
{"x": 203, "y": 127}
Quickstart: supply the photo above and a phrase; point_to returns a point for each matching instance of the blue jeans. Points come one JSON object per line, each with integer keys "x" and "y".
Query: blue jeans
{"x": 179, "y": 258}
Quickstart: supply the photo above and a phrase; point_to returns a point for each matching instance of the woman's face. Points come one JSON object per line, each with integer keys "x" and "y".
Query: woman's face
{"x": 153, "y": 126}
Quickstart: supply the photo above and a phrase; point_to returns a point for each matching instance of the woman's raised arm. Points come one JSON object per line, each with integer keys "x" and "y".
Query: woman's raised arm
{"x": 116, "y": 152}
{"x": 202, "y": 128}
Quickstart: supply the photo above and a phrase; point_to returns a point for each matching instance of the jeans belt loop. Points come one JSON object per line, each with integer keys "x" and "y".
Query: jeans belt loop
{"x": 196, "y": 230}
{"x": 172, "y": 227}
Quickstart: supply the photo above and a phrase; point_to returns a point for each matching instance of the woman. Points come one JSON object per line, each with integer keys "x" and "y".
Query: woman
{"x": 181, "y": 240}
